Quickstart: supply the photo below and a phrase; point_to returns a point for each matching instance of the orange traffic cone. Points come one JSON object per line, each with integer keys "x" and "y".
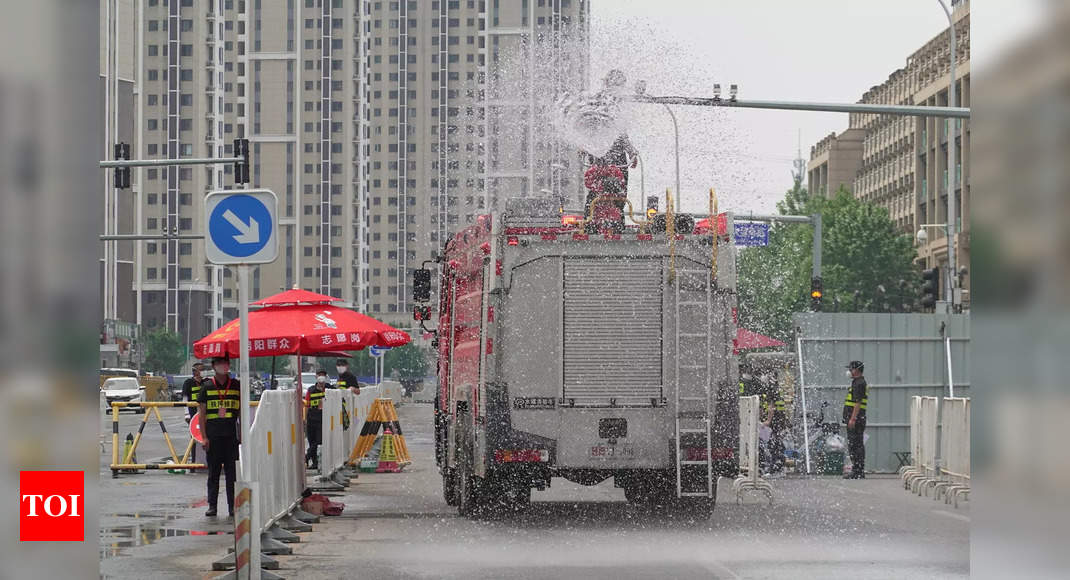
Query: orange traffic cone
{"x": 388, "y": 457}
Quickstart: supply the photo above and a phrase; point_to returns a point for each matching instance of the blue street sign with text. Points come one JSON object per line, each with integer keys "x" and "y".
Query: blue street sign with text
{"x": 752, "y": 234}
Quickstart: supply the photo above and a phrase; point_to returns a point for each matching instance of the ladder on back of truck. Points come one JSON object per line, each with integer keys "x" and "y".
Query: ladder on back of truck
{"x": 693, "y": 375}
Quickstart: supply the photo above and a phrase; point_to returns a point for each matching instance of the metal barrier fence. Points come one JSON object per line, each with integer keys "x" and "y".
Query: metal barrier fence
{"x": 927, "y": 437}
{"x": 940, "y": 441}
{"x": 750, "y": 471}
{"x": 913, "y": 466}
{"x": 954, "y": 451}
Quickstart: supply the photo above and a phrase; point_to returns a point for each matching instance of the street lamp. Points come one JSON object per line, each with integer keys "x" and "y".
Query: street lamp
{"x": 676, "y": 133}
{"x": 952, "y": 162}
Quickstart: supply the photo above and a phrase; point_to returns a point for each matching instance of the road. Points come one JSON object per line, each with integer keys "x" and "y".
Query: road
{"x": 397, "y": 526}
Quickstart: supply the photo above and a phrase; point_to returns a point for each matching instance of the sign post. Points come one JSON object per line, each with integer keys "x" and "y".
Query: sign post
{"x": 377, "y": 352}
{"x": 242, "y": 230}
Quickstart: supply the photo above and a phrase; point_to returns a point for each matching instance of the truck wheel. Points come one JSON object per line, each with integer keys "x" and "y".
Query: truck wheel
{"x": 469, "y": 492}
{"x": 449, "y": 487}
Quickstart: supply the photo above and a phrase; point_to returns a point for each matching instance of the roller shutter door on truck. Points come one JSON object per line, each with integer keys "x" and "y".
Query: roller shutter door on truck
{"x": 612, "y": 330}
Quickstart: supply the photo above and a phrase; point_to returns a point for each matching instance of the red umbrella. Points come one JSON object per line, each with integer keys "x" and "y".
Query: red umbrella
{"x": 749, "y": 340}
{"x": 286, "y": 326}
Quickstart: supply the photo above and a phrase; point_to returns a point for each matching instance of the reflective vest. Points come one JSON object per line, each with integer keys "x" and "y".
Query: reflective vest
{"x": 740, "y": 388}
{"x": 778, "y": 405}
{"x": 228, "y": 398}
{"x": 850, "y": 402}
{"x": 315, "y": 399}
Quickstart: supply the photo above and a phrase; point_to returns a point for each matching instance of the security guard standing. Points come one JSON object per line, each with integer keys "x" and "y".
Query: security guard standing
{"x": 220, "y": 403}
{"x": 190, "y": 390}
{"x": 774, "y": 416}
{"x": 314, "y": 419}
{"x": 854, "y": 415}
{"x": 346, "y": 379}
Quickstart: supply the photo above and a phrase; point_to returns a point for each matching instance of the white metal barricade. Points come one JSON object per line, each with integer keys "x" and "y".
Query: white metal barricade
{"x": 954, "y": 470}
{"x": 750, "y": 471}
{"x": 276, "y": 458}
{"x": 914, "y": 466}
{"x": 927, "y": 472}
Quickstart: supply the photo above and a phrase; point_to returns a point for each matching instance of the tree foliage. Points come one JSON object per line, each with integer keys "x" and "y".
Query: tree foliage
{"x": 867, "y": 265}
{"x": 164, "y": 351}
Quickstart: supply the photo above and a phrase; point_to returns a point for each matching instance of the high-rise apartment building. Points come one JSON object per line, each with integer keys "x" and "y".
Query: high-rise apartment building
{"x": 904, "y": 164}
{"x": 368, "y": 119}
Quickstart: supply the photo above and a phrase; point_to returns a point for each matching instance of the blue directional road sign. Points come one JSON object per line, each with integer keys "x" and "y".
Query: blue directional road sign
{"x": 752, "y": 234}
{"x": 377, "y": 351}
{"x": 242, "y": 226}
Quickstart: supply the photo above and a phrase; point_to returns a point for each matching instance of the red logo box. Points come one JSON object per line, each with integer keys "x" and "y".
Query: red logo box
{"x": 51, "y": 506}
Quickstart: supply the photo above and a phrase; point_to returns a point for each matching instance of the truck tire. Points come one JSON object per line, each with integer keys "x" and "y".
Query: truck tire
{"x": 449, "y": 487}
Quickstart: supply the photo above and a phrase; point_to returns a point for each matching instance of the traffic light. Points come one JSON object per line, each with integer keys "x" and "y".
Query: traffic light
{"x": 241, "y": 167}
{"x": 122, "y": 174}
{"x": 930, "y": 287}
{"x": 651, "y": 206}
{"x": 421, "y": 313}
{"x": 817, "y": 290}
{"x": 421, "y": 285}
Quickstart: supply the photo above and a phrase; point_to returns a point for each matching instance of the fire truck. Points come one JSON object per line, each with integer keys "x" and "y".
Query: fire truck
{"x": 568, "y": 349}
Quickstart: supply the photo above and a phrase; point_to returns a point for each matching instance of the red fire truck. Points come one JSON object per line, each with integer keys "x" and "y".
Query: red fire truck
{"x": 567, "y": 353}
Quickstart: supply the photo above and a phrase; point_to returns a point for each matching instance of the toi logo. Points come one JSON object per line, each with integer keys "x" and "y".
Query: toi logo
{"x": 51, "y": 506}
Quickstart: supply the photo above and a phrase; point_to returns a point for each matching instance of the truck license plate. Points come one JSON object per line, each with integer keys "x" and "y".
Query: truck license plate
{"x": 613, "y": 451}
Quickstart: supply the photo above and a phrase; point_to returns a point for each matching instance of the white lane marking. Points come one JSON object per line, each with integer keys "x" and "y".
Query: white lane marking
{"x": 953, "y": 515}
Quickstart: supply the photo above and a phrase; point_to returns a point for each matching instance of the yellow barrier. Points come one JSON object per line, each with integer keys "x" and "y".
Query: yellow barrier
{"x": 154, "y": 408}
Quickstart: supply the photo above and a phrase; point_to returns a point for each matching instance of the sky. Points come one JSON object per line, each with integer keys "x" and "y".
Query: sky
{"x": 817, "y": 50}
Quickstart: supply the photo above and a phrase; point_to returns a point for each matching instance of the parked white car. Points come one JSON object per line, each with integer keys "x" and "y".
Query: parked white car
{"x": 124, "y": 389}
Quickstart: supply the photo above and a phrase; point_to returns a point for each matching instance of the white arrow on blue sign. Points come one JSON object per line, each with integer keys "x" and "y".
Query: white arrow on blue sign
{"x": 242, "y": 226}
{"x": 752, "y": 234}
{"x": 377, "y": 351}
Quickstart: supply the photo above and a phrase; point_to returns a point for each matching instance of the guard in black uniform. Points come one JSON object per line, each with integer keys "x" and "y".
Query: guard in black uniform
{"x": 314, "y": 419}
{"x": 220, "y": 405}
{"x": 346, "y": 379}
{"x": 190, "y": 390}
{"x": 854, "y": 415}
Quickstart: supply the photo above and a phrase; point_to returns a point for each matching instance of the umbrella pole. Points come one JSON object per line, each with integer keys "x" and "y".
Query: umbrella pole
{"x": 272, "y": 382}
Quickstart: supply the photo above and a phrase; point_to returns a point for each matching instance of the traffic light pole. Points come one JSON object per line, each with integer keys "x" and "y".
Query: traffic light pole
{"x": 167, "y": 162}
{"x": 815, "y": 221}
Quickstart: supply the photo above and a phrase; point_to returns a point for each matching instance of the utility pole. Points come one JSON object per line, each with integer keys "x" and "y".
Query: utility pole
{"x": 952, "y": 170}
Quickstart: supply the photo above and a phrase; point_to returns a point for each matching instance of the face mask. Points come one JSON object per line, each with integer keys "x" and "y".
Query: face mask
{"x": 222, "y": 369}
{"x": 321, "y": 379}
{"x": 848, "y": 373}
{"x": 341, "y": 369}
{"x": 746, "y": 376}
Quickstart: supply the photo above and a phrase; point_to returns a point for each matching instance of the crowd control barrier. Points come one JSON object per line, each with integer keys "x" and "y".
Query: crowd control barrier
{"x": 339, "y": 440}
{"x": 750, "y": 472}
{"x": 954, "y": 476}
{"x": 125, "y": 460}
{"x": 913, "y": 467}
{"x": 940, "y": 443}
{"x": 276, "y": 455}
{"x": 927, "y": 437}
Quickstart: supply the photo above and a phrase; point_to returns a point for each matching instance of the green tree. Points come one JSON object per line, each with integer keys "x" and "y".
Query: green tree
{"x": 164, "y": 351}
{"x": 411, "y": 361}
{"x": 867, "y": 265}
{"x": 262, "y": 364}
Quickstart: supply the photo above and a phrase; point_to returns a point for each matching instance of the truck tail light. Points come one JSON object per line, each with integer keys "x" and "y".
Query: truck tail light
{"x": 521, "y": 455}
{"x": 512, "y": 240}
{"x": 571, "y": 219}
